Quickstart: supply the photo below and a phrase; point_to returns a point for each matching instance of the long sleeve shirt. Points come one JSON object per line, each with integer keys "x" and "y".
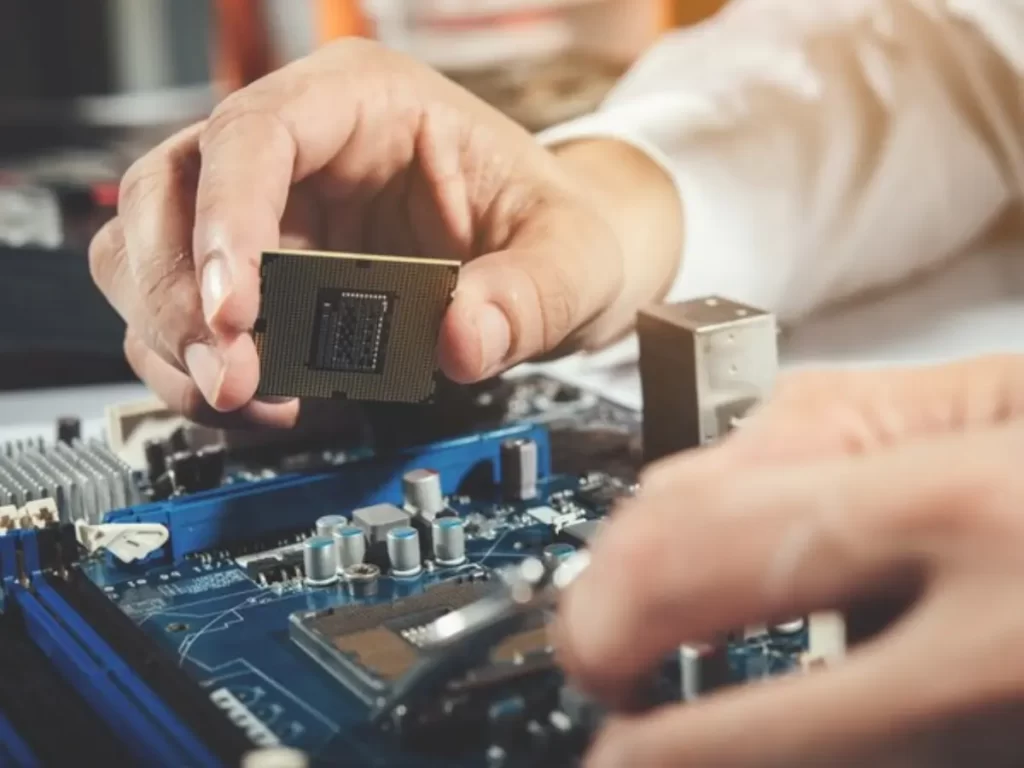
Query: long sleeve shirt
{"x": 824, "y": 149}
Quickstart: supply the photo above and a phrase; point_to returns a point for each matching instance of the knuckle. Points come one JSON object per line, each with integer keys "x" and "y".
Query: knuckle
{"x": 558, "y": 302}
{"x": 141, "y": 180}
{"x": 978, "y": 504}
{"x": 105, "y": 251}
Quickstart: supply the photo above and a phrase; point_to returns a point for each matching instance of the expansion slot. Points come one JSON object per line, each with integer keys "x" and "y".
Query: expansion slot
{"x": 144, "y": 722}
{"x": 35, "y": 702}
{"x": 191, "y": 704}
{"x": 14, "y": 752}
{"x": 218, "y": 519}
{"x": 149, "y": 728}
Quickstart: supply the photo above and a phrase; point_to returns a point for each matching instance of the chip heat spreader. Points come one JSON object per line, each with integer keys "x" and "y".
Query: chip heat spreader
{"x": 351, "y": 326}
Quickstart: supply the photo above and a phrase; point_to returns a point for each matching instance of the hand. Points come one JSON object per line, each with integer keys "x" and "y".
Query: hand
{"x": 357, "y": 148}
{"x": 828, "y": 498}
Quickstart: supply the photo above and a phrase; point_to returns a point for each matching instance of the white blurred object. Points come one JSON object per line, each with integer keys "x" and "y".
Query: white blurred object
{"x": 539, "y": 61}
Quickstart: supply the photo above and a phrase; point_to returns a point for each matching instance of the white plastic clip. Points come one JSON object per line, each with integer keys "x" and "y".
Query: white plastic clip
{"x": 125, "y": 541}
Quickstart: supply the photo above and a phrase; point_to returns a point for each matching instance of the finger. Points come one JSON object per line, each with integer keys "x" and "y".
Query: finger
{"x": 108, "y": 264}
{"x": 701, "y": 558}
{"x": 530, "y": 300}
{"x": 156, "y": 210}
{"x": 822, "y": 413}
{"x": 884, "y": 706}
{"x": 257, "y": 143}
{"x": 181, "y": 394}
{"x": 111, "y": 272}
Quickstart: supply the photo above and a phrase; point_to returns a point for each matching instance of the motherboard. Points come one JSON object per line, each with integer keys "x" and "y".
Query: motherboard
{"x": 220, "y": 605}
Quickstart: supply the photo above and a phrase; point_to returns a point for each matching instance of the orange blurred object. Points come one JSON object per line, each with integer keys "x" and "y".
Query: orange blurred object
{"x": 339, "y": 18}
{"x": 243, "y": 48}
{"x": 683, "y": 12}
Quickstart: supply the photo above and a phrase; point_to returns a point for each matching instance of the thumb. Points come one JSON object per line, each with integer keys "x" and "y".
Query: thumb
{"x": 535, "y": 298}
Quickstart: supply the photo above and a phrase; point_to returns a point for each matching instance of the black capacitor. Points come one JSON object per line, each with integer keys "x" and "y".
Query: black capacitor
{"x": 162, "y": 487}
{"x": 178, "y": 441}
{"x": 211, "y": 460}
{"x": 519, "y": 469}
{"x": 185, "y": 466}
{"x": 69, "y": 429}
{"x": 156, "y": 459}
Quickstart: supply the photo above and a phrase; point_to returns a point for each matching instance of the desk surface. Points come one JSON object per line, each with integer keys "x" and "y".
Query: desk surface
{"x": 976, "y": 307}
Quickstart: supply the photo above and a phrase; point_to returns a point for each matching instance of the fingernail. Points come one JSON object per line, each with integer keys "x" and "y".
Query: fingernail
{"x": 206, "y": 367}
{"x": 216, "y": 285}
{"x": 495, "y": 337}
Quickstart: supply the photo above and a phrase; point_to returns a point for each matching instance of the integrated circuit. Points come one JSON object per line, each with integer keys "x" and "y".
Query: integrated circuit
{"x": 351, "y": 326}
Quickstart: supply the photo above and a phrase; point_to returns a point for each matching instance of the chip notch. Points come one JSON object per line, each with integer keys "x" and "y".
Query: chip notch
{"x": 351, "y": 326}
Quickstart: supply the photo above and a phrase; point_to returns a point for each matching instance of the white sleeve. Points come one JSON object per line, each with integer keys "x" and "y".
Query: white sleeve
{"x": 824, "y": 148}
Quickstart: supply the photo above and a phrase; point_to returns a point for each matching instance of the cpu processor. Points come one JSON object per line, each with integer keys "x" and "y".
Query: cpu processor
{"x": 351, "y": 327}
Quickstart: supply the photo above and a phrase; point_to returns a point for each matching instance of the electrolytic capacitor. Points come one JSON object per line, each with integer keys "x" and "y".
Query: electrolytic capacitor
{"x": 404, "y": 551}
{"x": 703, "y": 668}
{"x": 361, "y": 579}
{"x": 320, "y": 561}
{"x": 185, "y": 466}
{"x": 519, "y": 469}
{"x": 422, "y": 491}
{"x": 350, "y": 545}
{"x": 156, "y": 459}
{"x": 790, "y": 627}
{"x": 326, "y": 525}
{"x": 449, "y": 539}
{"x": 210, "y": 467}
{"x": 69, "y": 429}
{"x": 555, "y": 554}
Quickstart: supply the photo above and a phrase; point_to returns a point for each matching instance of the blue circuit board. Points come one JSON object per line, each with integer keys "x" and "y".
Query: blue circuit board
{"x": 229, "y": 632}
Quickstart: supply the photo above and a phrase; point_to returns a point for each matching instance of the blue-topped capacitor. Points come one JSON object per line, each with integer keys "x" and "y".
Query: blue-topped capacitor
{"x": 320, "y": 561}
{"x": 449, "y": 538}
{"x": 555, "y": 554}
{"x": 404, "y": 551}
{"x": 325, "y": 525}
{"x": 350, "y": 545}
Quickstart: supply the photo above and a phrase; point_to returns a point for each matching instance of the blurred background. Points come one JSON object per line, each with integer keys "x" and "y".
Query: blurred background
{"x": 86, "y": 86}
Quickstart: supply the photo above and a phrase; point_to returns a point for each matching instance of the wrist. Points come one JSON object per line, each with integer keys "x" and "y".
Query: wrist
{"x": 639, "y": 201}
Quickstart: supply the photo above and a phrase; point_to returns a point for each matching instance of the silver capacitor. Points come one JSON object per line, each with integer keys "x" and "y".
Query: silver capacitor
{"x": 422, "y": 491}
{"x": 325, "y": 525}
{"x": 703, "y": 668}
{"x": 556, "y": 554}
{"x": 519, "y": 469}
{"x": 404, "y": 551}
{"x": 362, "y": 579}
{"x": 320, "y": 561}
{"x": 349, "y": 545}
{"x": 449, "y": 538}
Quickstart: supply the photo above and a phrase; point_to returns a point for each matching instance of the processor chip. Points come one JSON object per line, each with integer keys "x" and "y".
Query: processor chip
{"x": 351, "y": 327}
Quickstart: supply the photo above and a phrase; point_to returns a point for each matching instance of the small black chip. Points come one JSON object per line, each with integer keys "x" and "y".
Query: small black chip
{"x": 350, "y": 331}
{"x": 354, "y": 327}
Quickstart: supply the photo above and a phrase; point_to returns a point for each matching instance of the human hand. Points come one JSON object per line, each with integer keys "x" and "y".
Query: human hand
{"x": 828, "y": 498}
{"x": 357, "y": 148}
